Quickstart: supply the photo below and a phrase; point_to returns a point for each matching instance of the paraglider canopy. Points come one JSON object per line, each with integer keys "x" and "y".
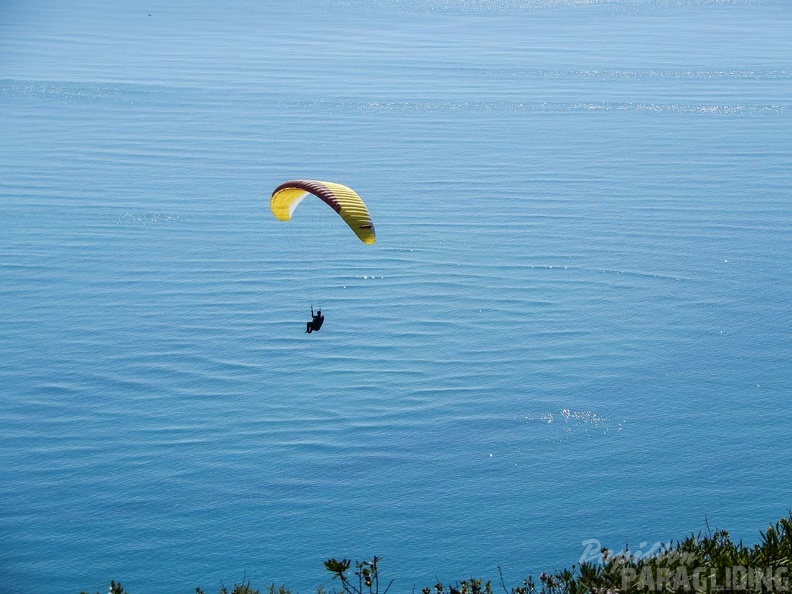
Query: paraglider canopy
{"x": 341, "y": 199}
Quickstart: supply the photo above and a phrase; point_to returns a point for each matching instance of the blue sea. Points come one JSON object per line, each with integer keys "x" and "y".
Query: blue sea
{"x": 574, "y": 327}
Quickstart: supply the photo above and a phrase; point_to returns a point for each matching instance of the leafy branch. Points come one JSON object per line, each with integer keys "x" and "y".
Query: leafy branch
{"x": 367, "y": 573}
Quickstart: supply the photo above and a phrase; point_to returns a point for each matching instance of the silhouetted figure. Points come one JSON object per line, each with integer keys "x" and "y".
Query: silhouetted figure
{"x": 315, "y": 324}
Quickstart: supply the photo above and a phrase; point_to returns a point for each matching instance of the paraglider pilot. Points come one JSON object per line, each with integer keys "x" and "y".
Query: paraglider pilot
{"x": 315, "y": 324}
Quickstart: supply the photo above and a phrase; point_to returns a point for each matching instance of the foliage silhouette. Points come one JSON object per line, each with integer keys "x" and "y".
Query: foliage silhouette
{"x": 702, "y": 563}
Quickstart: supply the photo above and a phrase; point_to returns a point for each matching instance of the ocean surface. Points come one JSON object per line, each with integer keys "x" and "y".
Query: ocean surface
{"x": 574, "y": 325}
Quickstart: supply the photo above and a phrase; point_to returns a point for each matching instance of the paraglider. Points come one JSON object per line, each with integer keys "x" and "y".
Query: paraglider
{"x": 345, "y": 201}
{"x": 316, "y": 323}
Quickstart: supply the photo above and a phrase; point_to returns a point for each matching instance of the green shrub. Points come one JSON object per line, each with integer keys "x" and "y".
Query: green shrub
{"x": 706, "y": 563}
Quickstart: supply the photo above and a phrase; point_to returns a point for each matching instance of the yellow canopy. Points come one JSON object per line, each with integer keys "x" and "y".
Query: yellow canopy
{"x": 341, "y": 199}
